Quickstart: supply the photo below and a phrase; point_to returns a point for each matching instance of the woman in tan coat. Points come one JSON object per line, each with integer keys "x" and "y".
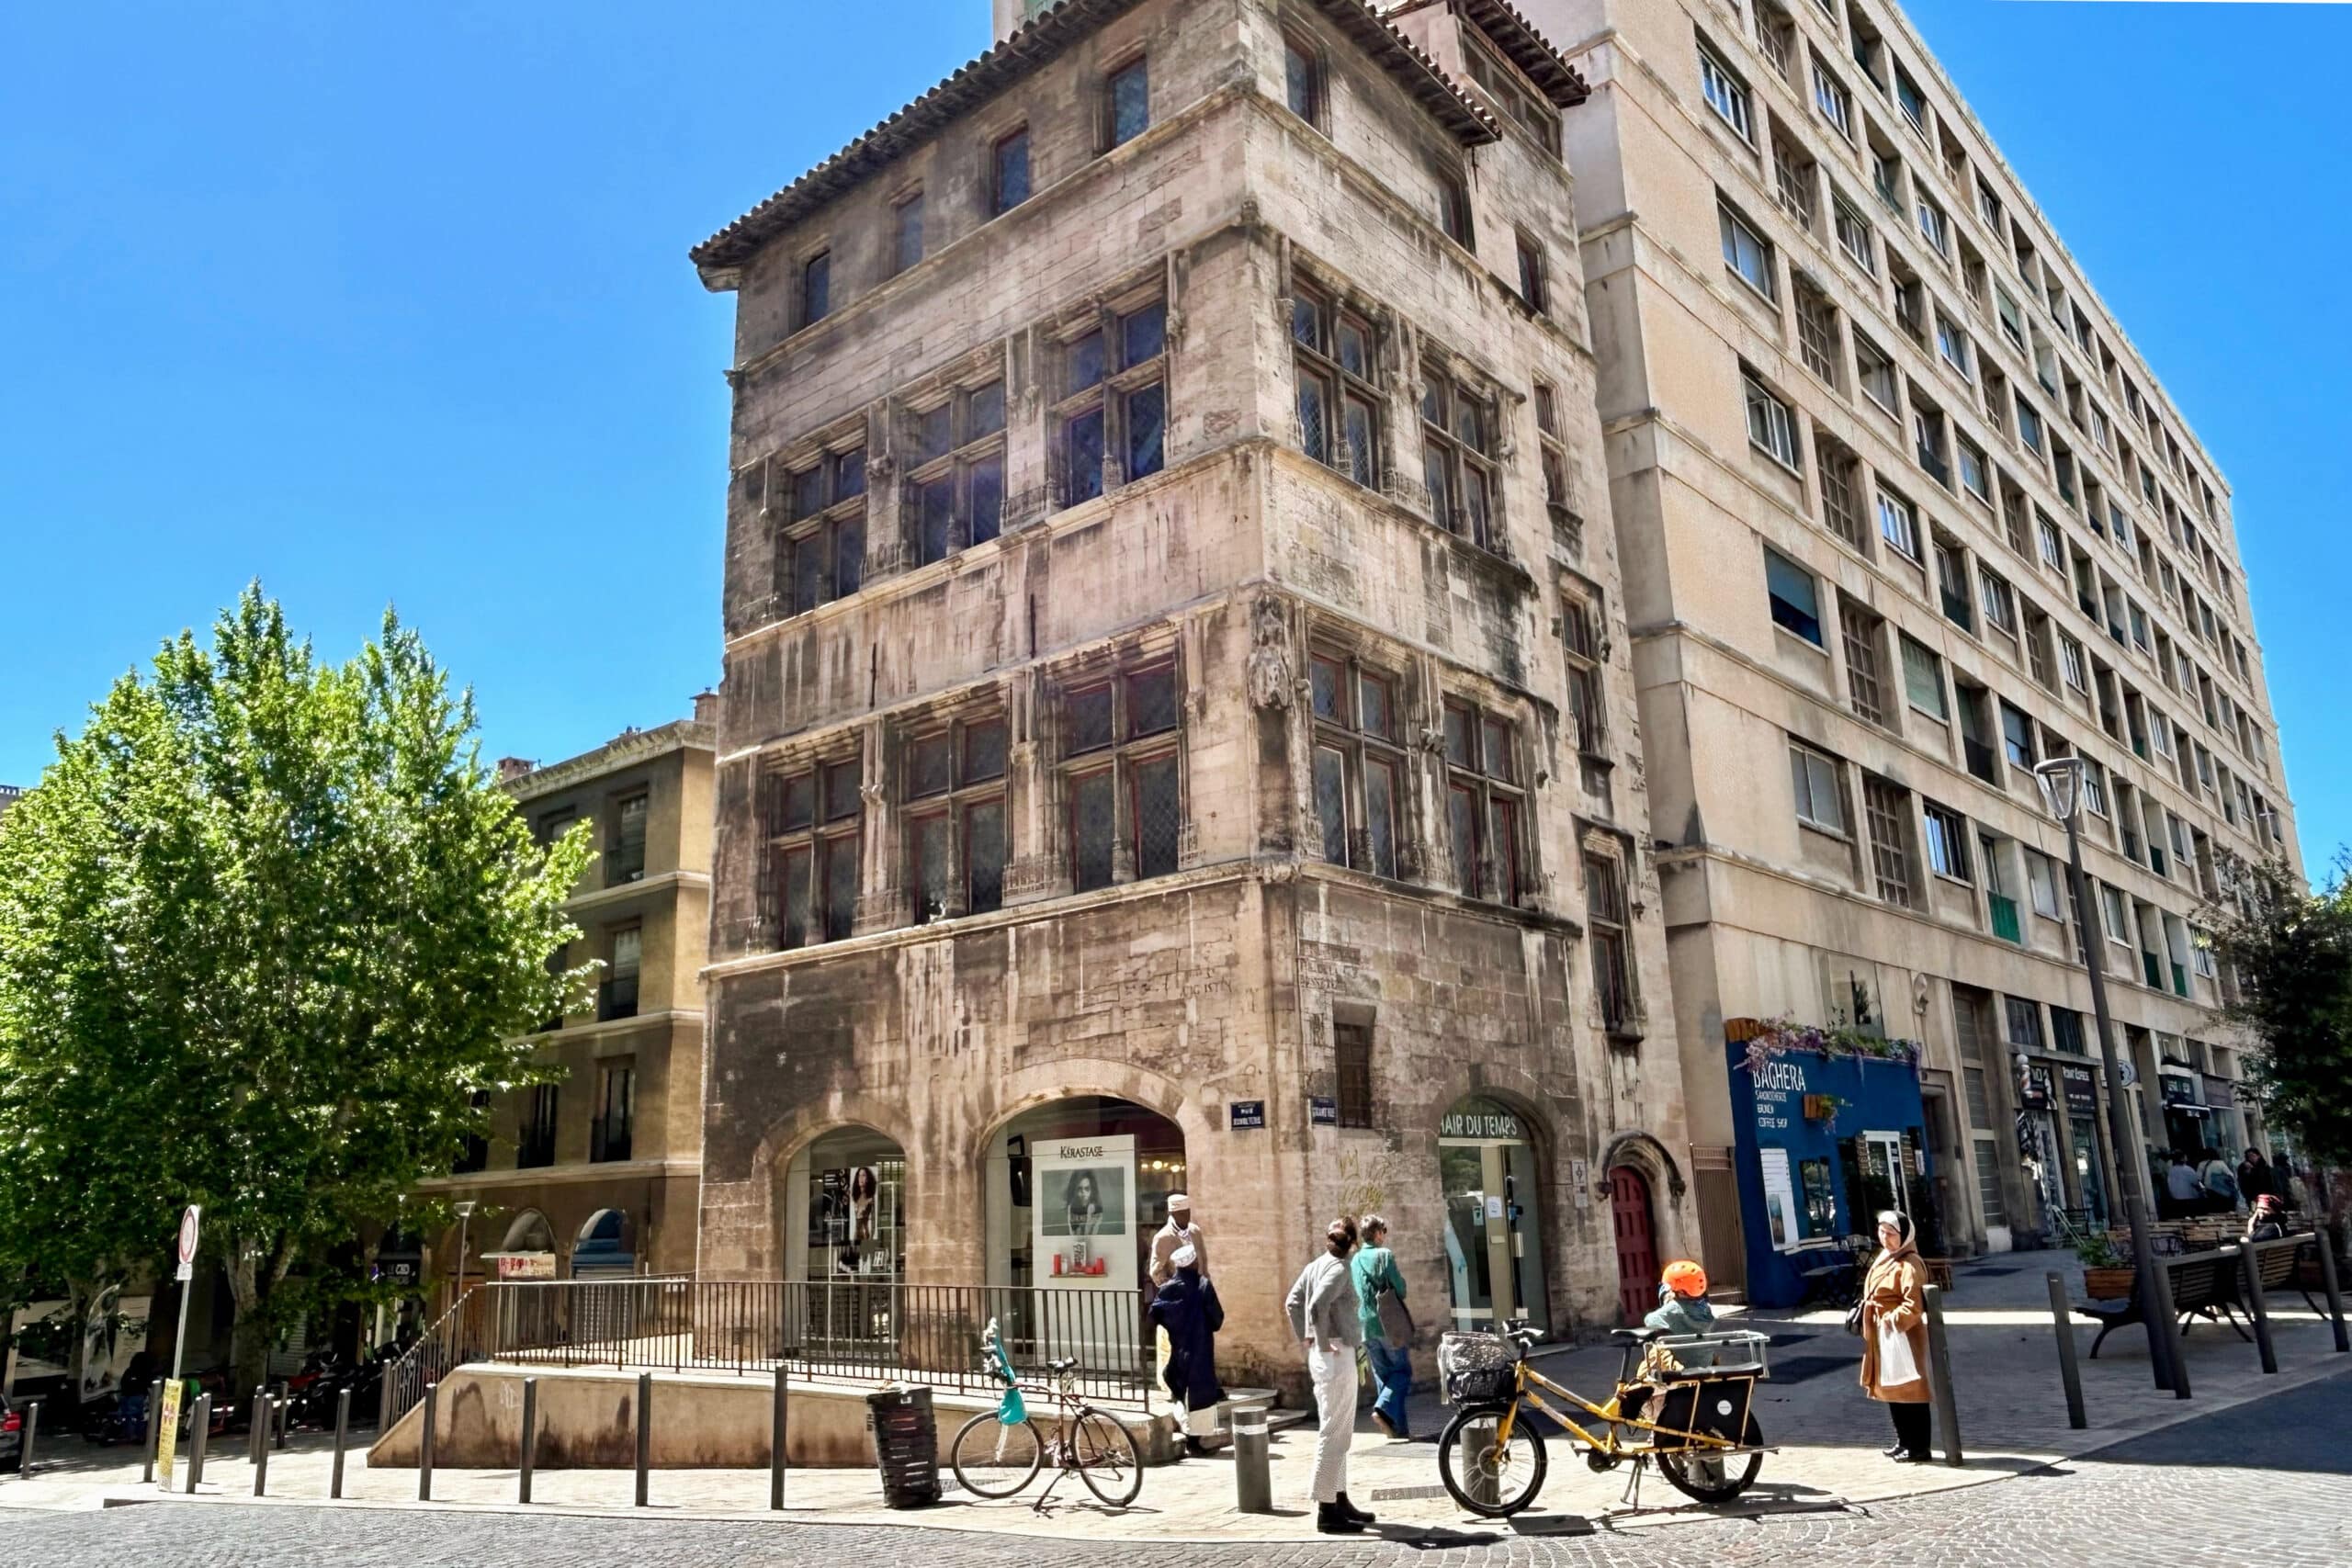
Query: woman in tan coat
{"x": 1894, "y": 1330}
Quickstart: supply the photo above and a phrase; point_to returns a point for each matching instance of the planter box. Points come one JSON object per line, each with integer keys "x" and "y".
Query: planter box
{"x": 2107, "y": 1284}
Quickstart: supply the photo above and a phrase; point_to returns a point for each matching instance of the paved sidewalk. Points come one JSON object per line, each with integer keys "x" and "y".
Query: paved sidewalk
{"x": 2012, "y": 1413}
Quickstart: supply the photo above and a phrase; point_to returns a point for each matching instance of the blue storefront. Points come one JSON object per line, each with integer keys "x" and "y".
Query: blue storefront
{"x": 1825, "y": 1139}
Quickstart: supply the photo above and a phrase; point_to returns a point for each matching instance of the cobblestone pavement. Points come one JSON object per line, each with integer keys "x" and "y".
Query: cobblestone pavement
{"x": 2266, "y": 1482}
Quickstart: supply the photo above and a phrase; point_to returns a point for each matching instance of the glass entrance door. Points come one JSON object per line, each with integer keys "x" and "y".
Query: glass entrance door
{"x": 1494, "y": 1230}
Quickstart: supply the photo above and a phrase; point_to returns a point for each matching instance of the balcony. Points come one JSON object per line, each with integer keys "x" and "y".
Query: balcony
{"x": 616, "y": 998}
{"x": 2005, "y": 918}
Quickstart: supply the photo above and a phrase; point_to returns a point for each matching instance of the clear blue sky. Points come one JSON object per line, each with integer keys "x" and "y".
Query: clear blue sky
{"x": 393, "y": 304}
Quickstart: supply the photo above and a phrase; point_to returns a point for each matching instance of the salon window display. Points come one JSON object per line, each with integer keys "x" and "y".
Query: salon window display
{"x": 854, "y": 1220}
{"x": 1085, "y": 1212}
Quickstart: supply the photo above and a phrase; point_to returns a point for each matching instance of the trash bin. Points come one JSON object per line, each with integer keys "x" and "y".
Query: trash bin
{"x": 906, "y": 1445}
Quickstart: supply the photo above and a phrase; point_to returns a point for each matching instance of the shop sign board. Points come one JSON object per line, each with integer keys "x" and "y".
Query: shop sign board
{"x": 2179, "y": 1089}
{"x": 1479, "y": 1124}
{"x": 167, "y": 1434}
{"x": 2221, "y": 1094}
{"x": 2081, "y": 1087}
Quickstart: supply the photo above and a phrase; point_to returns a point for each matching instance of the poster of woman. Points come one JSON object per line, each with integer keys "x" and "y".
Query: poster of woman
{"x": 1092, "y": 1201}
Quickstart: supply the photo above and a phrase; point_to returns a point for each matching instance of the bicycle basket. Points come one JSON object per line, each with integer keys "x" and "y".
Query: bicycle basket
{"x": 1476, "y": 1368}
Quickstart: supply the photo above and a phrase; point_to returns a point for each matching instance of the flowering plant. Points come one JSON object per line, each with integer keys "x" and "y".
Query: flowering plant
{"x": 1785, "y": 1035}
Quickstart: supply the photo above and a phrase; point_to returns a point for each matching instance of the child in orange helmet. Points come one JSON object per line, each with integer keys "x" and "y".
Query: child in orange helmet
{"x": 1682, "y": 1301}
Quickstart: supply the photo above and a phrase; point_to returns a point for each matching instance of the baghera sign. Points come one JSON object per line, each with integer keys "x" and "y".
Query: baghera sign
{"x": 167, "y": 1434}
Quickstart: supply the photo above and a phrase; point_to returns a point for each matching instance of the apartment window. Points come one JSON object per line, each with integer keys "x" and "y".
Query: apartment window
{"x": 906, "y": 232}
{"x": 1550, "y": 451}
{"x": 1817, "y": 333}
{"x": 1854, "y": 233}
{"x": 816, "y": 289}
{"x": 1009, "y": 176}
{"x": 1770, "y": 425}
{"x": 1875, "y": 373}
{"x": 1947, "y": 835}
{"x": 1859, "y": 632}
{"x": 1457, "y": 458}
{"x": 1484, "y": 807}
{"x": 1123, "y": 778}
{"x": 2023, "y": 1017}
{"x": 2041, "y": 883}
{"x": 1793, "y": 180}
{"x": 2016, "y": 739}
{"x": 2012, "y": 318}
{"x": 1588, "y": 703}
{"x": 1339, "y": 401}
{"x": 624, "y": 957}
{"x": 1886, "y": 809}
{"x": 820, "y": 548}
{"x": 1972, "y": 477}
{"x": 1796, "y": 604}
{"x": 1453, "y": 210}
{"x": 2037, "y": 647}
{"x": 954, "y": 792}
{"x": 1128, "y": 101}
{"x": 1746, "y": 252}
{"x": 1923, "y": 682}
{"x": 1360, "y": 766}
{"x": 1988, "y": 205}
{"x": 1935, "y": 227}
{"x": 1952, "y": 344}
{"x": 1727, "y": 94}
{"x": 1829, "y": 95}
{"x": 2029, "y": 424}
{"x": 813, "y": 819}
{"x": 534, "y": 1140}
{"x": 1115, "y": 403}
{"x": 1898, "y": 524}
{"x": 1999, "y": 600}
{"x": 1302, "y": 79}
{"x": 2070, "y": 663}
{"x": 1533, "y": 290}
{"x": 611, "y": 1134}
{"x": 955, "y": 490}
{"x": 2052, "y": 544}
{"x": 2118, "y": 917}
{"x": 1951, "y": 586}
{"x": 1351, "y": 1058}
{"x": 1813, "y": 776}
{"x": 625, "y": 853}
{"x": 1840, "y": 470}
{"x": 1908, "y": 97}
{"x": 1605, "y": 932}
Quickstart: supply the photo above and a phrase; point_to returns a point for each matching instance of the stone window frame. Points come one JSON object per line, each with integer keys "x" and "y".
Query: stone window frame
{"x": 1458, "y": 456}
{"x": 1584, "y": 647}
{"x": 812, "y": 287}
{"x": 1307, "y": 71}
{"x": 821, "y": 837}
{"x": 966, "y": 788}
{"x": 995, "y": 183}
{"x": 1607, "y": 866}
{"x": 1108, "y": 137}
{"x": 907, "y": 204}
{"x": 1124, "y": 756}
{"x": 1344, "y": 734}
{"x": 969, "y": 445}
{"x": 1352, "y": 1054}
{"x": 821, "y": 501}
{"x": 1322, "y": 319}
{"x": 1517, "y": 100}
{"x": 1112, "y": 395}
{"x": 1473, "y": 739}
{"x": 1455, "y": 219}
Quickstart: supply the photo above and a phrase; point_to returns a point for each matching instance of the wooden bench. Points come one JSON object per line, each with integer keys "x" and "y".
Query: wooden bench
{"x": 2203, "y": 1284}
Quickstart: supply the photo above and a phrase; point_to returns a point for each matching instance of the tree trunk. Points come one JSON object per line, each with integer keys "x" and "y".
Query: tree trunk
{"x": 254, "y": 1277}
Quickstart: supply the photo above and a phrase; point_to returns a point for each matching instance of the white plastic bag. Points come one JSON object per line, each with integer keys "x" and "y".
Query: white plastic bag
{"x": 1896, "y": 1365}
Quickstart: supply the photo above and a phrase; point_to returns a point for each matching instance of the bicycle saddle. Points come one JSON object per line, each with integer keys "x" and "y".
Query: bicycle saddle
{"x": 1066, "y": 1364}
{"x": 1635, "y": 1336}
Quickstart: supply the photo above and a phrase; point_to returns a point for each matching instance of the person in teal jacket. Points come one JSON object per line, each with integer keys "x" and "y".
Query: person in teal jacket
{"x": 1372, "y": 1268}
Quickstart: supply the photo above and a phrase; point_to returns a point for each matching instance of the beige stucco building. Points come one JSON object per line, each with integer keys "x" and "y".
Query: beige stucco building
{"x": 1902, "y": 513}
{"x": 1177, "y": 727}
{"x": 597, "y": 1173}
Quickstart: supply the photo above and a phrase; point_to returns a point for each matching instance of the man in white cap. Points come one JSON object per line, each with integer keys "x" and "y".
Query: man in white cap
{"x": 1180, "y": 1231}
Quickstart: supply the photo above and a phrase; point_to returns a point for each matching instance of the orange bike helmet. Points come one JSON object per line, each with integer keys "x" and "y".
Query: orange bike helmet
{"x": 1685, "y": 1278}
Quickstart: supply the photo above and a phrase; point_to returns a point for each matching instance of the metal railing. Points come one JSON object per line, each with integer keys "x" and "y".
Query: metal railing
{"x": 848, "y": 1328}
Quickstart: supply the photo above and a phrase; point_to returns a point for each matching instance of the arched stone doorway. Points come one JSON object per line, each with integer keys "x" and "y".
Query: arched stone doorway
{"x": 1074, "y": 1189}
{"x": 1635, "y": 1225}
{"x": 1491, "y": 1175}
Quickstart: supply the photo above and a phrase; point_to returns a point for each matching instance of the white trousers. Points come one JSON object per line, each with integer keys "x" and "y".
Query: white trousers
{"x": 1334, "y": 1372}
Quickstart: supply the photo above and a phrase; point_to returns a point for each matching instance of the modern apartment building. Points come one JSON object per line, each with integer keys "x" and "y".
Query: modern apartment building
{"x": 1177, "y": 727}
{"x": 1902, "y": 514}
{"x": 595, "y": 1174}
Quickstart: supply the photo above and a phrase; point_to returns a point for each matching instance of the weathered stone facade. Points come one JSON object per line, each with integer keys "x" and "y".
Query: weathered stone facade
{"x": 1200, "y": 781}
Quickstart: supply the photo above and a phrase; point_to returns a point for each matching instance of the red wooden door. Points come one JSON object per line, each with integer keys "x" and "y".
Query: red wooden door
{"x": 1629, "y": 1210}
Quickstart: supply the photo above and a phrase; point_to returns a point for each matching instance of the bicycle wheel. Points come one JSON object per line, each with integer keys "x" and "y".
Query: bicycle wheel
{"x": 1715, "y": 1477}
{"x": 996, "y": 1458}
{"x": 1491, "y": 1479}
{"x": 1106, "y": 1457}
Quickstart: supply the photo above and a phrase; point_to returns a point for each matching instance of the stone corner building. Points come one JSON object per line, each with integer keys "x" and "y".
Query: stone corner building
{"x": 1177, "y": 724}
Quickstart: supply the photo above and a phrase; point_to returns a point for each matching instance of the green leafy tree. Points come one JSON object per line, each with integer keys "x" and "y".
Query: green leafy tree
{"x": 2291, "y": 951}
{"x": 267, "y": 931}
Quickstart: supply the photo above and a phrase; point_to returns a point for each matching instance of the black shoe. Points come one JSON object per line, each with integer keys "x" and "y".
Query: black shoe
{"x": 1893, "y": 1449}
{"x": 1361, "y": 1516}
{"x": 1915, "y": 1458}
{"x": 1328, "y": 1520}
{"x": 1196, "y": 1448}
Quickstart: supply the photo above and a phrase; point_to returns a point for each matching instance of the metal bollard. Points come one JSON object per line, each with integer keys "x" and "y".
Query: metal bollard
{"x": 2167, "y": 1323}
{"x": 32, "y": 1430}
{"x": 261, "y": 1454}
{"x": 342, "y": 1430}
{"x": 530, "y": 1455}
{"x": 2334, "y": 1291}
{"x": 644, "y": 1435}
{"x": 1253, "y": 1481}
{"x": 776, "y": 1438}
{"x": 257, "y": 1424}
{"x": 2250, "y": 1273}
{"x": 283, "y": 1408}
{"x": 200, "y": 1438}
{"x": 2062, "y": 1313}
{"x": 152, "y": 1434}
{"x": 1940, "y": 1376}
{"x": 424, "y": 1447}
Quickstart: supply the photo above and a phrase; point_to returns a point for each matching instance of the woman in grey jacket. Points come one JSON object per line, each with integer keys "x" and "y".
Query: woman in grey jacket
{"x": 1326, "y": 1317}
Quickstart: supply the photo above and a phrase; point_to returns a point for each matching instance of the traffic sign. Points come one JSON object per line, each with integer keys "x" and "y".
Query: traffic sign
{"x": 188, "y": 1234}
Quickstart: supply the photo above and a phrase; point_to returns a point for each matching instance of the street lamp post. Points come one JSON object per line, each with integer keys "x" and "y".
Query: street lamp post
{"x": 2062, "y": 789}
{"x": 465, "y": 1207}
